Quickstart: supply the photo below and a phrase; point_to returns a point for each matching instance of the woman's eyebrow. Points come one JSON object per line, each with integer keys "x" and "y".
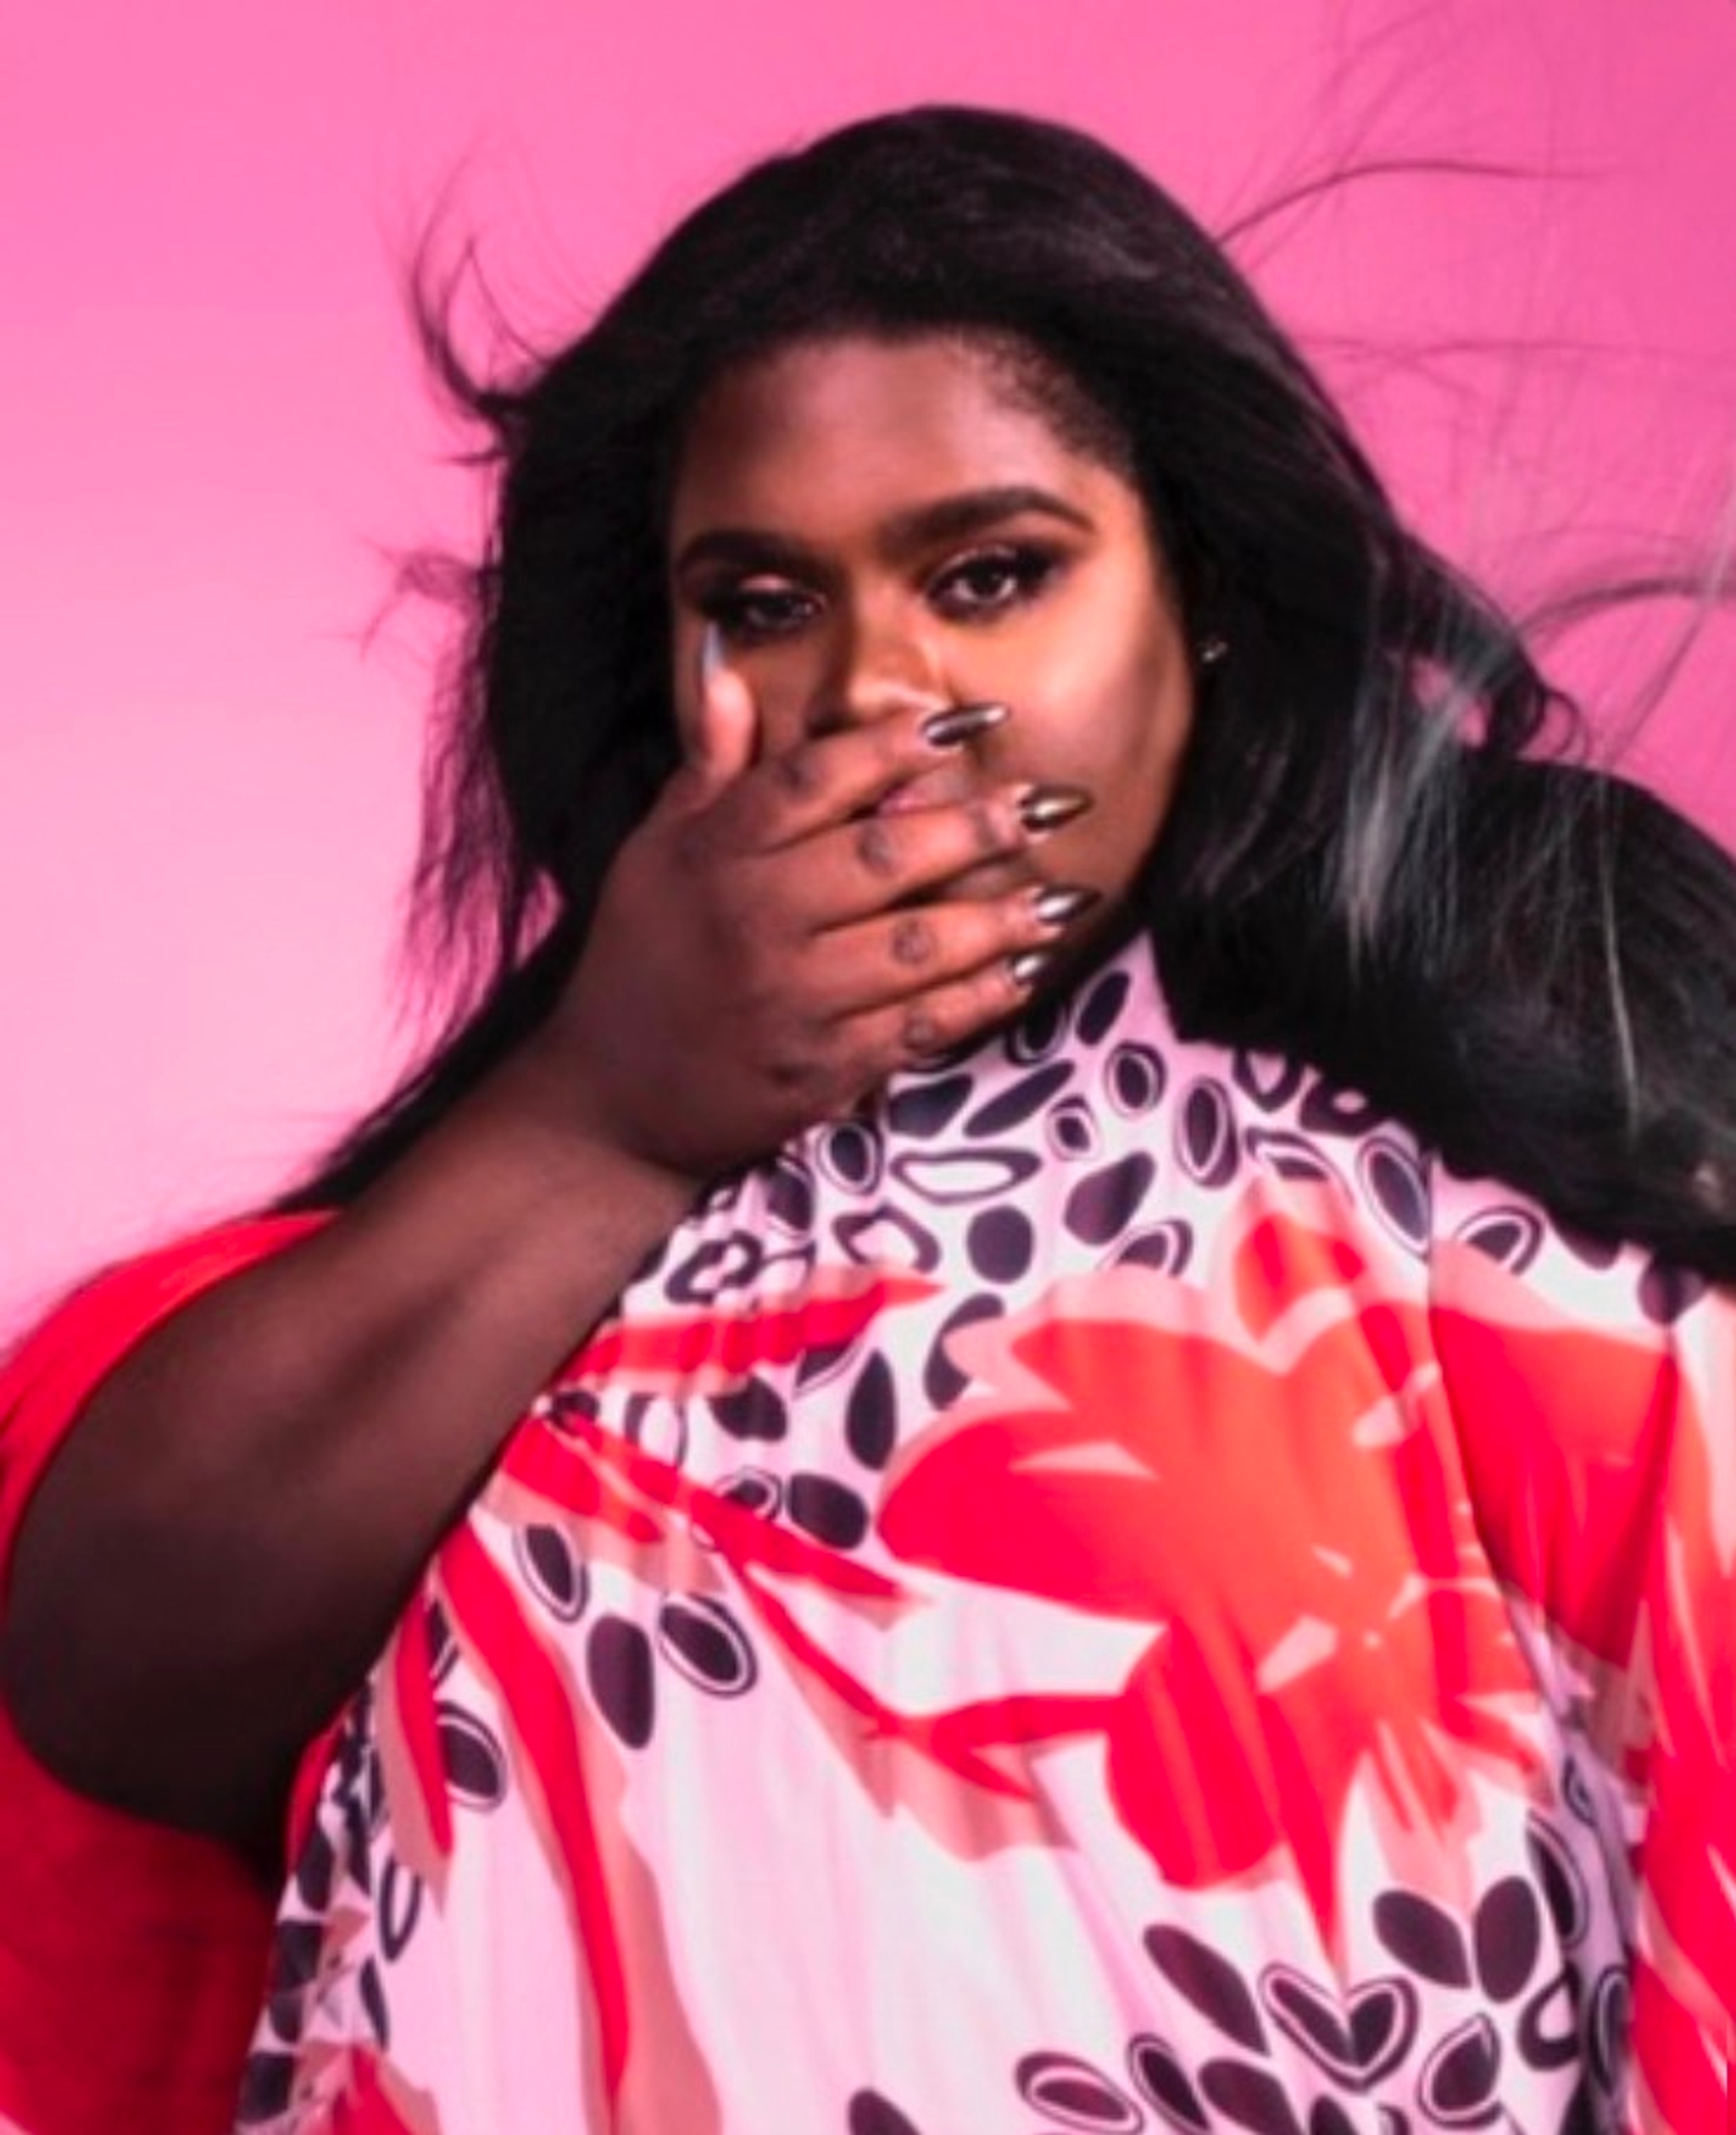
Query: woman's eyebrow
{"x": 947, "y": 519}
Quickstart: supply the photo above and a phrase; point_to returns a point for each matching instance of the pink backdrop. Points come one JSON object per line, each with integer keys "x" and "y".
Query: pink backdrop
{"x": 209, "y": 422}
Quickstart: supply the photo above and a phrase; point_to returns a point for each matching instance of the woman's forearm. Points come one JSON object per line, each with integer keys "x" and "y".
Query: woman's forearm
{"x": 214, "y": 1559}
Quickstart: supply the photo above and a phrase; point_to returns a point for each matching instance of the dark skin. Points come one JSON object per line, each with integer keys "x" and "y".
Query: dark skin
{"x": 869, "y": 534}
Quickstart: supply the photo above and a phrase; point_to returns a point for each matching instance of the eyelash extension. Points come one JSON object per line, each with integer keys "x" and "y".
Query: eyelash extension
{"x": 1031, "y": 568}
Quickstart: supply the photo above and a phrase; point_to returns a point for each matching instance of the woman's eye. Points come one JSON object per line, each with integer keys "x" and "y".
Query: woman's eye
{"x": 750, "y": 613}
{"x": 995, "y": 579}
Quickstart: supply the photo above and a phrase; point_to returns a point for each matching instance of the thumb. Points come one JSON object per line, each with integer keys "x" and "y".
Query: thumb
{"x": 722, "y": 745}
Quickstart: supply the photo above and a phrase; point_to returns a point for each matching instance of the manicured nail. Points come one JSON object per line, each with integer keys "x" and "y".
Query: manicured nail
{"x": 1028, "y": 966}
{"x": 960, "y": 723}
{"x": 1063, "y": 903}
{"x": 1046, "y": 808}
{"x": 710, "y": 653}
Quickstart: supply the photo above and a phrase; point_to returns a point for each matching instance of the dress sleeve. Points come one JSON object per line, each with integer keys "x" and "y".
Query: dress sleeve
{"x": 1593, "y": 1396}
{"x": 131, "y": 1956}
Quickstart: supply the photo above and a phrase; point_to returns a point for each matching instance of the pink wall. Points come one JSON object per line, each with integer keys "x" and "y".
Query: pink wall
{"x": 208, "y": 417}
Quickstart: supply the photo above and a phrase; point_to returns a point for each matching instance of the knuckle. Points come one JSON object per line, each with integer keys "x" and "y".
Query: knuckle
{"x": 798, "y": 772}
{"x": 912, "y": 940}
{"x": 876, "y": 849}
{"x": 921, "y": 1029}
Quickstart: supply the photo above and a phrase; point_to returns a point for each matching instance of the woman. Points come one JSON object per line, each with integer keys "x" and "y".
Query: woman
{"x": 1027, "y": 1427}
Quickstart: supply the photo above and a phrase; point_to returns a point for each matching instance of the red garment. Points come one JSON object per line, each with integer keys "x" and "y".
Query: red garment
{"x": 131, "y": 1956}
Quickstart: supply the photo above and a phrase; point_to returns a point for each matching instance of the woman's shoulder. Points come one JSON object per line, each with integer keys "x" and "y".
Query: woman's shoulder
{"x": 49, "y": 1374}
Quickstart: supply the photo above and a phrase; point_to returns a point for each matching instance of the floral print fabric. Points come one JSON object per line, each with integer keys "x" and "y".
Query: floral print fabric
{"x": 1109, "y": 1594}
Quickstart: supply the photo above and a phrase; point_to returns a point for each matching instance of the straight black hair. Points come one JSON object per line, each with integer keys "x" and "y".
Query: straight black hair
{"x": 1382, "y": 857}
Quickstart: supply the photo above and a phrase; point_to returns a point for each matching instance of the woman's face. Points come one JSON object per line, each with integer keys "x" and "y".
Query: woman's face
{"x": 873, "y": 524}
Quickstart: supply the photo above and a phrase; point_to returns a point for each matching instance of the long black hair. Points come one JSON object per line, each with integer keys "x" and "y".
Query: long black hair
{"x": 1379, "y": 857}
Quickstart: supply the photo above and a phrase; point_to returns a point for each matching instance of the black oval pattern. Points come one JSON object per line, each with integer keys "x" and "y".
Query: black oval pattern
{"x": 551, "y": 1570}
{"x": 1165, "y": 1248}
{"x": 443, "y": 1647}
{"x": 1036, "y": 1035}
{"x": 955, "y": 1177}
{"x": 474, "y": 1762}
{"x": 1270, "y": 1079}
{"x": 1577, "y": 1793}
{"x": 1511, "y": 1237}
{"x": 1164, "y": 2084}
{"x": 1460, "y": 2085}
{"x": 942, "y": 1382}
{"x": 1010, "y": 1108}
{"x": 296, "y": 1945}
{"x": 888, "y": 1238}
{"x": 1072, "y": 1132}
{"x": 824, "y": 1361}
{"x": 1101, "y": 1009}
{"x": 1205, "y": 1135}
{"x": 927, "y": 1108}
{"x": 1356, "y": 2041}
{"x": 716, "y": 1266}
{"x": 1665, "y": 1293}
{"x": 1290, "y": 1156}
{"x": 1506, "y": 1936}
{"x": 1607, "y": 2034}
{"x": 1209, "y": 1981}
{"x": 755, "y": 1410}
{"x": 849, "y": 1155}
{"x": 400, "y": 1907}
{"x": 267, "y": 2086}
{"x": 789, "y": 1195}
{"x": 1562, "y": 1883}
{"x": 372, "y": 1996}
{"x": 870, "y": 2114}
{"x": 1105, "y": 1202}
{"x": 702, "y": 1640}
{"x": 829, "y": 1510}
{"x": 1000, "y": 1244}
{"x": 1250, "y": 2097}
{"x": 1133, "y": 1079}
{"x": 1074, "y": 2094}
{"x": 1548, "y": 2023}
{"x": 871, "y": 1414}
{"x": 317, "y": 1871}
{"x": 618, "y": 1666}
{"x": 1423, "y": 1939}
{"x": 1394, "y": 1182}
{"x": 755, "y": 1489}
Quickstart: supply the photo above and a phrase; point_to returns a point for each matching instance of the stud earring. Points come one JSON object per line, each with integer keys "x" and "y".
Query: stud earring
{"x": 1212, "y": 651}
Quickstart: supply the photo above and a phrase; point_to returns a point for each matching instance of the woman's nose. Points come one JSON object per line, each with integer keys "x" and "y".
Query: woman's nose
{"x": 876, "y": 676}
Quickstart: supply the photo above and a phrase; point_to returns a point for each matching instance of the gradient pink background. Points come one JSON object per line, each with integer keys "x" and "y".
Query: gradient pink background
{"x": 210, "y": 422}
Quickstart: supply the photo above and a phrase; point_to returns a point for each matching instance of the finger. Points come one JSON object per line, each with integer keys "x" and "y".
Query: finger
{"x": 879, "y": 962}
{"x": 878, "y": 862}
{"x": 941, "y": 1017}
{"x": 824, "y": 781}
{"x": 722, "y": 739}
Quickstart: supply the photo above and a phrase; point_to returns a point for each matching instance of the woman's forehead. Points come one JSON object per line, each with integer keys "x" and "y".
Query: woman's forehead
{"x": 863, "y": 427}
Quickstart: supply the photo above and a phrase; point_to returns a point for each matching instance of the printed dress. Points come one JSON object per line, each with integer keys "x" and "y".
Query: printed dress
{"x": 1109, "y": 1594}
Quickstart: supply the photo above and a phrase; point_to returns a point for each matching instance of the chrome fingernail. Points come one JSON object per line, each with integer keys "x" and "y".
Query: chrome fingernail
{"x": 960, "y": 723}
{"x": 1028, "y": 966}
{"x": 1063, "y": 903}
{"x": 1046, "y": 808}
{"x": 710, "y": 653}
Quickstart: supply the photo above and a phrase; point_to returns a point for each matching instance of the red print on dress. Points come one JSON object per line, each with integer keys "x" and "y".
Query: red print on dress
{"x": 1263, "y": 1472}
